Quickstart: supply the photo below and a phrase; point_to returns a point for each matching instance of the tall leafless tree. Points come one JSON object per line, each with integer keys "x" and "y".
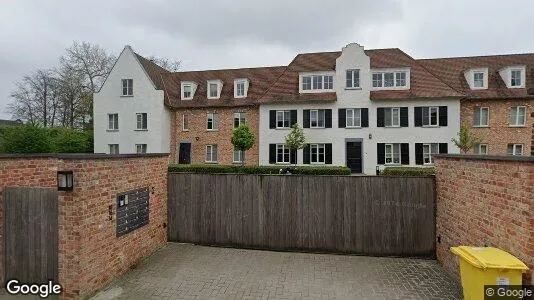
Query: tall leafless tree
{"x": 165, "y": 63}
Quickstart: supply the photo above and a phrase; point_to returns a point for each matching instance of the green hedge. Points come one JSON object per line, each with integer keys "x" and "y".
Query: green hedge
{"x": 210, "y": 169}
{"x": 408, "y": 171}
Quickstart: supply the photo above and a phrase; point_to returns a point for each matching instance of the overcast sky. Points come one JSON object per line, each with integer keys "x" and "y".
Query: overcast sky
{"x": 214, "y": 34}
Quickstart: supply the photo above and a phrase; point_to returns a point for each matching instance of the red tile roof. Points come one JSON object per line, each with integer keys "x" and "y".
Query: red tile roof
{"x": 153, "y": 71}
{"x": 451, "y": 71}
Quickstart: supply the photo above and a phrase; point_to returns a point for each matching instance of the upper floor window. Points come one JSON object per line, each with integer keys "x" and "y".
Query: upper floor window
{"x": 214, "y": 89}
{"x": 430, "y": 116}
{"x": 353, "y": 79}
{"x": 127, "y": 87}
{"x": 113, "y": 121}
{"x": 240, "y": 88}
{"x": 140, "y": 148}
{"x": 517, "y": 116}
{"x": 481, "y": 117}
{"x": 185, "y": 122}
{"x": 212, "y": 121}
{"x": 353, "y": 117}
{"x": 141, "y": 121}
{"x": 389, "y": 79}
{"x": 515, "y": 149}
{"x": 478, "y": 79}
{"x": 317, "y": 118}
{"x": 239, "y": 119}
{"x": 515, "y": 78}
{"x": 283, "y": 118}
{"x": 317, "y": 82}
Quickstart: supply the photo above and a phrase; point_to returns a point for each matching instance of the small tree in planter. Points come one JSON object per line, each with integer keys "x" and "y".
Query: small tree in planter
{"x": 243, "y": 139}
{"x": 465, "y": 140}
{"x": 295, "y": 139}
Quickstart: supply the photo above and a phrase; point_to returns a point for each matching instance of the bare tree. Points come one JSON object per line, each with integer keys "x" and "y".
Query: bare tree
{"x": 165, "y": 63}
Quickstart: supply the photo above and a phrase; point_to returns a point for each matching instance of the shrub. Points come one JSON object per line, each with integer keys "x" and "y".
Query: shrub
{"x": 214, "y": 169}
{"x": 408, "y": 171}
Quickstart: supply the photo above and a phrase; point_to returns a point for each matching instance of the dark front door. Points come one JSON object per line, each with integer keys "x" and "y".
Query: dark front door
{"x": 184, "y": 156}
{"x": 354, "y": 156}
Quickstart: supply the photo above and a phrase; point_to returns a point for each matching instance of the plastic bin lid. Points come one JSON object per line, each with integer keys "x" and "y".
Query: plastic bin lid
{"x": 489, "y": 258}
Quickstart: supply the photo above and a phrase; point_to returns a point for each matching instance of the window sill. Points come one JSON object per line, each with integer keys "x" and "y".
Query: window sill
{"x": 517, "y": 126}
{"x": 282, "y": 128}
{"x": 140, "y": 129}
{"x": 393, "y": 164}
{"x": 393, "y": 126}
{"x": 353, "y": 88}
{"x": 317, "y": 163}
{"x": 186, "y": 99}
{"x": 481, "y": 126}
{"x": 211, "y": 162}
{"x": 212, "y": 130}
{"x": 126, "y": 96}
{"x": 317, "y": 127}
{"x": 353, "y": 127}
{"x": 430, "y": 126}
{"x": 185, "y": 130}
{"x": 112, "y": 130}
{"x": 213, "y": 98}
{"x": 283, "y": 163}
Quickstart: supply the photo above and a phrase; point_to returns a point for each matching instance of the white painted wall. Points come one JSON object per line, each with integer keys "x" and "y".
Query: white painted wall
{"x": 145, "y": 99}
{"x": 353, "y": 57}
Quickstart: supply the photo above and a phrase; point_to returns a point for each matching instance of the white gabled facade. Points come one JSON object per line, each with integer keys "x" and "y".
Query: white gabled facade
{"x": 354, "y": 57}
{"x": 154, "y": 127}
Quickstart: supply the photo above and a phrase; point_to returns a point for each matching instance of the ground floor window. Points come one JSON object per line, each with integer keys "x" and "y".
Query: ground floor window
{"x": 317, "y": 153}
{"x": 515, "y": 149}
{"x": 428, "y": 151}
{"x": 393, "y": 154}
{"x": 113, "y": 148}
{"x": 282, "y": 154}
{"x": 211, "y": 153}
{"x": 140, "y": 148}
{"x": 481, "y": 149}
{"x": 239, "y": 156}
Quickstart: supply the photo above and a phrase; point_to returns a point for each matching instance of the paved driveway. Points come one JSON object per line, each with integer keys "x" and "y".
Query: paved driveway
{"x": 182, "y": 271}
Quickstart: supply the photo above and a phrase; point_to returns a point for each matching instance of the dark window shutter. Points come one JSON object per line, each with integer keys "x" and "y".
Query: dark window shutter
{"x": 306, "y": 118}
{"x": 328, "y": 154}
{"x": 327, "y": 118}
{"x": 365, "y": 117}
{"x": 306, "y": 154}
{"x": 272, "y": 153}
{"x": 418, "y": 116}
{"x": 342, "y": 118}
{"x": 380, "y": 117}
{"x": 293, "y": 156}
{"x": 404, "y": 116}
{"x": 419, "y": 154}
{"x": 443, "y": 148}
{"x": 272, "y": 119}
{"x": 294, "y": 117}
{"x": 443, "y": 116}
{"x": 381, "y": 153}
{"x": 405, "y": 153}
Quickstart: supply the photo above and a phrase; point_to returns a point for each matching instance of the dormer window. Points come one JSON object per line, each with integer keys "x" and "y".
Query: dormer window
{"x": 390, "y": 79}
{"x": 477, "y": 78}
{"x": 214, "y": 89}
{"x": 188, "y": 90}
{"x": 316, "y": 83}
{"x": 240, "y": 88}
{"x": 515, "y": 78}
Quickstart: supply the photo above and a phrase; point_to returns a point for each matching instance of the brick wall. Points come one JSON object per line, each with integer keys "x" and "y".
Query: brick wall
{"x": 90, "y": 254}
{"x": 499, "y": 134}
{"x": 485, "y": 201}
{"x": 200, "y": 137}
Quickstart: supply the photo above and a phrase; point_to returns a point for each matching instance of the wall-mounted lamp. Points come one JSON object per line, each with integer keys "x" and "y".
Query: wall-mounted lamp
{"x": 370, "y": 136}
{"x": 65, "y": 181}
{"x": 197, "y": 138}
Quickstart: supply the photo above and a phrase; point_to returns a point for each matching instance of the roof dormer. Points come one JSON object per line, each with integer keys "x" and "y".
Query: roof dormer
{"x": 241, "y": 87}
{"x": 214, "y": 88}
{"x": 514, "y": 76}
{"x": 188, "y": 89}
{"x": 477, "y": 78}
{"x": 390, "y": 79}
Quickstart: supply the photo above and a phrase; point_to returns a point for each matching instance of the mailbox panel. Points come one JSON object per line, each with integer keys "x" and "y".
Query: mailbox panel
{"x": 132, "y": 210}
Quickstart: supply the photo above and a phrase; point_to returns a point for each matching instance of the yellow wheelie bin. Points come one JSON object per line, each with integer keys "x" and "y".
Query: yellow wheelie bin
{"x": 480, "y": 266}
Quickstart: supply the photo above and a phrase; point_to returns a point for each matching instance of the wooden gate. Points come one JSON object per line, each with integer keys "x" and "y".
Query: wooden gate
{"x": 30, "y": 234}
{"x": 374, "y": 215}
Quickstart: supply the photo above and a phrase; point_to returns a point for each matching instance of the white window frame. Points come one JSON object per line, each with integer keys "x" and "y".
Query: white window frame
{"x": 237, "y": 83}
{"x": 429, "y": 117}
{"x": 478, "y": 149}
{"x": 514, "y": 149}
{"x": 392, "y": 155}
{"x": 142, "y": 147}
{"x": 397, "y": 109}
{"x": 285, "y": 151}
{"x": 350, "y": 79}
{"x": 309, "y": 82}
{"x": 320, "y": 150}
{"x": 353, "y": 114}
{"x": 238, "y": 156}
{"x": 185, "y": 122}
{"x": 286, "y": 117}
{"x": 213, "y": 155}
{"x": 112, "y": 146}
{"x": 127, "y": 86}
{"x": 241, "y": 117}
{"x": 475, "y": 81}
{"x": 317, "y": 118}
{"x": 521, "y": 80}
{"x": 428, "y": 152}
{"x": 140, "y": 122}
{"x": 213, "y": 118}
{"x": 192, "y": 86}
{"x": 378, "y": 79}
{"x": 482, "y": 108}
{"x": 218, "y": 85}
{"x": 115, "y": 122}
{"x": 516, "y": 122}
